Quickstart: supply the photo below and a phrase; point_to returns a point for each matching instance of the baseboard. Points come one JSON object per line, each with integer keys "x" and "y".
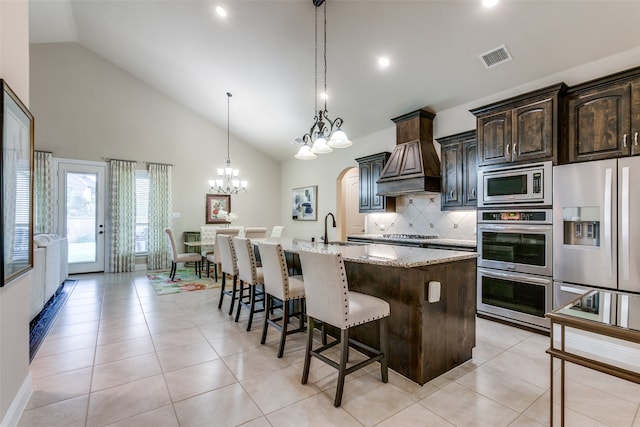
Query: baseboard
{"x": 12, "y": 417}
{"x": 140, "y": 267}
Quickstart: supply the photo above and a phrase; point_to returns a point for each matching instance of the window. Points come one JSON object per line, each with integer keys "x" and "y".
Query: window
{"x": 142, "y": 211}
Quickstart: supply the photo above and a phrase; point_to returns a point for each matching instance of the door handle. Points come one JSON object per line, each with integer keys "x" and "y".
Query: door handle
{"x": 607, "y": 208}
{"x": 624, "y": 218}
{"x": 473, "y": 192}
{"x": 624, "y": 140}
{"x": 451, "y": 194}
{"x": 508, "y": 154}
{"x": 514, "y": 148}
{"x": 635, "y": 138}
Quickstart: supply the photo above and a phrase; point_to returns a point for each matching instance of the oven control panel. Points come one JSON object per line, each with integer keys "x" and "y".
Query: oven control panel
{"x": 534, "y": 215}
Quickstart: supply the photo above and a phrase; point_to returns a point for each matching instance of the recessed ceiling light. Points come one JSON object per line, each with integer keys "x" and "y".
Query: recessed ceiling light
{"x": 489, "y": 3}
{"x": 383, "y": 62}
{"x": 221, "y": 12}
{"x": 324, "y": 95}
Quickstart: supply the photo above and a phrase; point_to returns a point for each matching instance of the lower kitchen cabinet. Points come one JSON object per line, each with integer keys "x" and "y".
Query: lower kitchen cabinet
{"x": 459, "y": 161}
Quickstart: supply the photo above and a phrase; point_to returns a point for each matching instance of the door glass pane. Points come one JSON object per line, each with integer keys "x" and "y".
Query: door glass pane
{"x": 521, "y": 248}
{"x": 515, "y": 296}
{"x": 506, "y": 186}
{"x": 81, "y": 216}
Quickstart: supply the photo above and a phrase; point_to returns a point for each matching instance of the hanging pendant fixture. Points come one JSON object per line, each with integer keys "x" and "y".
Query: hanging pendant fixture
{"x": 325, "y": 134}
{"x": 228, "y": 181}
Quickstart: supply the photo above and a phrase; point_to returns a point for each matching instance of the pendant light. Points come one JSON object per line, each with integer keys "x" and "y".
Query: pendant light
{"x": 325, "y": 134}
{"x": 228, "y": 181}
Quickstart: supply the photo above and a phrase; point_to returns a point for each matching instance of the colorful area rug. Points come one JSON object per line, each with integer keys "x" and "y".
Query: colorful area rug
{"x": 185, "y": 281}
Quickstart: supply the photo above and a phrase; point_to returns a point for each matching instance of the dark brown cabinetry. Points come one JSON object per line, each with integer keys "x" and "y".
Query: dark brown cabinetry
{"x": 604, "y": 118}
{"x": 520, "y": 129}
{"x": 370, "y": 170}
{"x": 459, "y": 170}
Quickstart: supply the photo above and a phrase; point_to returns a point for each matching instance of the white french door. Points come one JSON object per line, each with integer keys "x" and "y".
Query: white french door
{"x": 81, "y": 213}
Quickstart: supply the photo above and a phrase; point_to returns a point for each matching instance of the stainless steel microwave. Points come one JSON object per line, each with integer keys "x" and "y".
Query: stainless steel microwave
{"x": 529, "y": 184}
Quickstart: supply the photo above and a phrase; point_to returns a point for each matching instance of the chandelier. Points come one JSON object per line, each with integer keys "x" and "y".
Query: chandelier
{"x": 228, "y": 181}
{"x": 325, "y": 134}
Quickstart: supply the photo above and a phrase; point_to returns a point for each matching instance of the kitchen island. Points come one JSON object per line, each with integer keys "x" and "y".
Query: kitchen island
{"x": 426, "y": 339}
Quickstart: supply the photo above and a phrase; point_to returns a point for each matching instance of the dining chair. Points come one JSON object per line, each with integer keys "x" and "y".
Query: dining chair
{"x": 278, "y": 285}
{"x": 276, "y": 231}
{"x": 182, "y": 257}
{"x": 229, "y": 266}
{"x": 255, "y": 232}
{"x": 329, "y": 300}
{"x": 214, "y": 256}
{"x": 251, "y": 276}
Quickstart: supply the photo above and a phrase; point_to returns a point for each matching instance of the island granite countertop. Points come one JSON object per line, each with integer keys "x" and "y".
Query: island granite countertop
{"x": 471, "y": 244}
{"x": 379, "y": 254}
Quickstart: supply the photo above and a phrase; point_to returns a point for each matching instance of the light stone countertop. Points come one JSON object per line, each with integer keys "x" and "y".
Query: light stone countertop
{"x": 379, "y": 254}
{"x": 438, "y": 241}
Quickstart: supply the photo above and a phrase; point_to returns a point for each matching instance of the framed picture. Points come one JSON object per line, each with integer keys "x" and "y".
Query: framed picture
{"x": 17, "y": 185}
{"x": 305, "y": 203}
{"x": 218, "y": 206}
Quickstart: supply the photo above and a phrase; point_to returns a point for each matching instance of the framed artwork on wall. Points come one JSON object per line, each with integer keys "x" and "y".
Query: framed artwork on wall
{"x": 304, "y": 203}
{"x": 16, "y": 123}
{"x": 217, "y": 208}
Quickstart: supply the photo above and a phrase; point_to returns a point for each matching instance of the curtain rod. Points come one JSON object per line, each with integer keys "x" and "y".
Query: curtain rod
{"x": 42, "y": 151}
{"x": 142, "y": 162}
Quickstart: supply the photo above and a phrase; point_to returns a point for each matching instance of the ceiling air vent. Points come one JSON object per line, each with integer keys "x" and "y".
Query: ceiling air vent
{"x": 495, "y": 56}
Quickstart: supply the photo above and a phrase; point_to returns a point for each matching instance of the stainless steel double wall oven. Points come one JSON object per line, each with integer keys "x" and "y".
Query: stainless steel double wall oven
{"x": 515, "y": 243}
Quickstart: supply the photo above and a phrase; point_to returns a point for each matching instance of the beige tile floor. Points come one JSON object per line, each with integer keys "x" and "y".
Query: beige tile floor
{"x": 119, "y": 355}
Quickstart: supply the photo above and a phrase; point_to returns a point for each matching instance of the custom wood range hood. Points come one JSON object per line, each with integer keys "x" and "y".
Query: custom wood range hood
{"x": 414, "y": 166}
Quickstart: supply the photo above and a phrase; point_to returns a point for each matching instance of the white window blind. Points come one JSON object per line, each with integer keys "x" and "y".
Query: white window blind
{"x": 142, "y": 211}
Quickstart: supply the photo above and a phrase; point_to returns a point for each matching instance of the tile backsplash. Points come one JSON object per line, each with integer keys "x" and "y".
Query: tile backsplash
{"x": 421, "y": 214}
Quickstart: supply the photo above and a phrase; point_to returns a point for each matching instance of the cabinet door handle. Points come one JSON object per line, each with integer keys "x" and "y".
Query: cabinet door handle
{"x": 451, "y": 195}
{"x": 508, "y": 145}
{"x": 473, "y": 192}
{"x": 514, "y": 148}
{"x": 635, "y": 138}
{"x": 624, "y": 140}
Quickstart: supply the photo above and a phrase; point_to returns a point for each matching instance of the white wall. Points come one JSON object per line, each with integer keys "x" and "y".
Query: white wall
{"x": 87, "y": 108}
{"x": 15, "y": 381}
{"x": 325, "y": 170}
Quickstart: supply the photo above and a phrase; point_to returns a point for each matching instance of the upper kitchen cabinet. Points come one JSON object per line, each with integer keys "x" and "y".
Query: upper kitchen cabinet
{"x": 520, "y": 129}
{"x": 370, "y": 169}
{"x": 604, "y": 118}
{"x": 459, "y": 170}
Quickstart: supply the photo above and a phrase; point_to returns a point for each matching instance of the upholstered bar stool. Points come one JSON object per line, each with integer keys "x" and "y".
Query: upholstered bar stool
{"x": 255, "y": 232}
{"x": 228, "y": 260}
{"x": 279, "y": 285}
{"x": 250, "y": 276}
{"x": 215, "y": 256}
{"x": 329, "y": 300}
{"x": 182, "y": 257}
{"x": 276, "y": 231}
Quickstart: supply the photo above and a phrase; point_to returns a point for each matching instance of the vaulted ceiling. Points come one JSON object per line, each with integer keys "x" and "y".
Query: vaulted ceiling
{"x": 263, "y": 52}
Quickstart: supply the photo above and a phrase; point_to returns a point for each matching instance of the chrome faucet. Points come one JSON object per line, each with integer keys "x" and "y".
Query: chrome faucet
{"x": 326, "y": 236}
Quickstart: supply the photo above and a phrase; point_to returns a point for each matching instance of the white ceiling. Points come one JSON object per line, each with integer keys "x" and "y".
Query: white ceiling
{"x": 263, "y": 53}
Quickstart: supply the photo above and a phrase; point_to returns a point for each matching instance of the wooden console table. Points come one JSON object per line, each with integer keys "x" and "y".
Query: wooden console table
{"x": 613, "y": 318}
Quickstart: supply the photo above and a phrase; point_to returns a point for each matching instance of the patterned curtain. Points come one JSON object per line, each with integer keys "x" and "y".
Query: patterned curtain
{"x": 122, "y": 176}
{"x": 160, "y": 207}
{"x": 43, "y": 192}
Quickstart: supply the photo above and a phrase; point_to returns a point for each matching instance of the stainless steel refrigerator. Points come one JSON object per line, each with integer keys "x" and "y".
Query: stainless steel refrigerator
{"x": 596, "y": 226}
